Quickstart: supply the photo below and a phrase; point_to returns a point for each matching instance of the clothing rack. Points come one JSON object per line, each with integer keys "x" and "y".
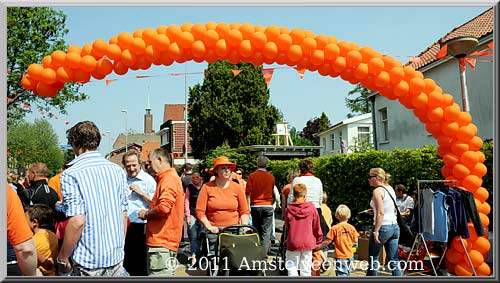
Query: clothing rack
{"x": 421, "y": 235}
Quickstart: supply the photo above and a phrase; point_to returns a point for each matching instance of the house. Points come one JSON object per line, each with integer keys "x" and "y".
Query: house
{"x": 173, "y": 133}
{"x": 346, "y": 135}
{"x": 397, "y": 127}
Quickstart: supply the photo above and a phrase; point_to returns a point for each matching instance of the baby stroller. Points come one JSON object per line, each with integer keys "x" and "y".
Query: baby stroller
{"x": 280, "y": 257}
{"x": 235, "y": 251}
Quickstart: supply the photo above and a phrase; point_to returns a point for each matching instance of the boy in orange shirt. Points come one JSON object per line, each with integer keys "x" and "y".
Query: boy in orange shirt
{"x": 344, "y": 235}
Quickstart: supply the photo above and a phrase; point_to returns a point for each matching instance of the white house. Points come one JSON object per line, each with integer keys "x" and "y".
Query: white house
{"x": 343, "y": 136}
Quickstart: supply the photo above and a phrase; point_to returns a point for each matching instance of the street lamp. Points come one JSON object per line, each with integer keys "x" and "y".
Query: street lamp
{"x": 126, "y": 136}
{"x": 459, "y": 48}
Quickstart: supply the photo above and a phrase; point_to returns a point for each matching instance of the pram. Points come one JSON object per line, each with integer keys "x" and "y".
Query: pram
{"x": 280, "y": 257}
{"x": 235, "y": 251}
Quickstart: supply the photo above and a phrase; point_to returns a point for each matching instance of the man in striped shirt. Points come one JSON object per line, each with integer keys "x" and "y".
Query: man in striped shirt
{"x": 95, "y": 200}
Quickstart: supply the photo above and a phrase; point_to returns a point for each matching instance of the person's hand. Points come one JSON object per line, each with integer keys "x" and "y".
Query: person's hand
{"x": 213, "y": 229}
{"x": 64, "y": 269}
{"x": 369, "y": 211}
{"x": 188, "y": 220}
{"x": 136, "y": 189}
{"x": 142, "y": 214}
{"x": 375, "y": 237}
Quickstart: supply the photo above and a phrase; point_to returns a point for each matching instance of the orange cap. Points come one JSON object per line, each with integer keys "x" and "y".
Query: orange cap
{"x": 223, "y": 160}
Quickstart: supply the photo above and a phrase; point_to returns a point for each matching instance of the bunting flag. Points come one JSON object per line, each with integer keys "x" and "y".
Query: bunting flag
{"x": 490, "y": 45}
{"x": 301, "y": 73}
{"x": 268, "y": 75}
{"x": 442, "y": 52}
{"x": 466, "y": 61}
{"x": 67, "y": 122}
{"x": 236, "y": 72}
{"x": 109, "y": 81}
{"x": 142, "y": 77}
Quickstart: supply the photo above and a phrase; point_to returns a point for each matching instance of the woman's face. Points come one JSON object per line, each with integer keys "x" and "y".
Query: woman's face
{"x": 224, "y": 171}
{"x": 196, "y": 179}
{"x": 373, "y": 179}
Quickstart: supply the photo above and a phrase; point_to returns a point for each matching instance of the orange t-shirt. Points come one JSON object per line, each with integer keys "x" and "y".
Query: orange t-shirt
{"x": 343, "y": 235}
{"x": 165, "y": 230}
{"x": 260, "y": 187}
{"x": 222, "y": 207}
{"x": 55, "y": 183}
{"x": 284, "y": 192}
{"x": 18, "y": 229}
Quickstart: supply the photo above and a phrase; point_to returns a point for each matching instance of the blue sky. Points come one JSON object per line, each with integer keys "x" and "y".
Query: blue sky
{"x": 397, "y": 31}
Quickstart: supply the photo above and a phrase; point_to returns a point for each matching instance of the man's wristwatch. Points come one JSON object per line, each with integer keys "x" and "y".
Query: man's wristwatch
{"x": 60, "y": 263}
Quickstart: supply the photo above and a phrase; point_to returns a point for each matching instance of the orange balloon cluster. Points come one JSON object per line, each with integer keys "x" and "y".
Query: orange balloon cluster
{"x": 459, "y": 145}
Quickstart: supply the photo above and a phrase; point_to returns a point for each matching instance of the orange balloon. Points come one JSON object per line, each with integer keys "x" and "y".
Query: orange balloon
{"x": 47, "y": 61}
{"x": 318, "y": 57}
{"x": 353, "y": 59}
{"x": 284, "y": 41}
{"x": 258, "y": 40}
{"x": 361, "y": 71}
{"x": 419, "y": 101}
{"x": 324, "y": 70}
{"x": 28, "y": 83}
{"x": 245, "y": 49}
{"x": 257, "y": 58}
{"x": 446, "y": 171}
{"x": 472, "y": 182}
{"x": 48, "y": 76}
{"x": 450, "y": 159}
{"x": 485, "y": 208}
{"x": 233, "y": 57}
{"x": 198, "y": 49}
{"x": 453, "y": 256}
{"x": 460, "y": 171}
{"x": 162, "y": 42}
{"x": 455, "y": 245}
{"x": 430, "y": 85}
{"x": 104, "y": 66}
{"x": 113, "y": 39}
{"x": 436, "y": 114}
{"x": 234, "y": 38}
{"x": 308, "y": 45}
{"x": 481, "y": 156}
{"x": 469, "y": 158}
{"x": 450, "y": 267}
{"x": 186, "y": 27}
{"x": 481, "y": 194}
{"x": 451, "y": 112}
{"x": 458, "y": 147}
{"x": 332, "y": 51}
{"x": 128, "y": 58}
{"x": 86, "y": 49}
{"x": 186, "y": 39}
{"x": 409, "y": 73}
{"x": 405, "y": 101}
{"x": 174, "y": 51}
{"x": 81, "y": 76}
{"x": 345, "y": 47}
{"x": 270, "y": 50}
{"x": 137, "y": 33}
{"x": 272, "y": 32}
{"x": 466, "y": 133}
{"x": 125, "y": 40}
{"x": 447, "y": 100}
{"x": 138, "y": 46}
{"x": 483, "y": 270}
{"x": 382, "y": 79}
{"x": 97, "y": 75}
{"x": 321, "y": 41}
{"x": 88, "y": 63}
{"x": 475, "y": 257}
{"x": 472, "y": 231}
{"x": 99, "y": 47}
{"x": 401, "y": 89}
{"x": 368, "y": 53}
{"x": 417, "y": 85}
{"x": 464, "y": 119}
{"x": 449, "y": 128}
{"x": 73, "y": 60}
{"x": 173, "y": 32}
{"x": 221, "y": 48}
{"x": 485, "y": 221}
{"x": 397, "y": 75}
{"x": 339, "y": 64}
{"x": 74, "y": 48}
{"x": 162, "y": 30}
{"x": 58, "y": 58}
{"x": 375, "y": 66}
{"x": 434, "y": 99}
{"x": 46, "y": 90}
{"x": 149, "y": 35}
{"x": 294, "y": 53}
{"x": 482, "y": 245}
{"x": 153, "y": 54}
{"x": 210, "y": 38}
{"x": 65, "y": 74}
{"x": 297, "y": 36}
{"x": 247, "y": 30}
{"x": 463, "y": 269}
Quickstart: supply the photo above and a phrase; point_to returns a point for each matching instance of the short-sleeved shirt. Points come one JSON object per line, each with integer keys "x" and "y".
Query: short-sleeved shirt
{"x": 135, "y": 202}
{"x": 46, "y": 245}
{"x": 343, "y": 236}
{"x": 405, "y": 203}
{"x": 18, "y": 229}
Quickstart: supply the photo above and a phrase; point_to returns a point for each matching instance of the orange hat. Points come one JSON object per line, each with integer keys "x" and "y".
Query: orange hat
{"x": 222, "y": 160}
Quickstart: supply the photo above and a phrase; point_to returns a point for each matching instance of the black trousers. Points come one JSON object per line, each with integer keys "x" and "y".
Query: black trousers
{"x": 135, "y": 261}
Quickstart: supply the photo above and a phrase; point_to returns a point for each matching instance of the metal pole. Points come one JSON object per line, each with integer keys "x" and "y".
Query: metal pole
{"x": 185, "y": 115}
{"x": 463, "y": 83}
{"x": 126, "y": 135}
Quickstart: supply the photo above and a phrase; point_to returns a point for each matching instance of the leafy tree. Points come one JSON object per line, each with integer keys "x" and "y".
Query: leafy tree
{"x": 312, "y": 127}
{"x": 324, "y": 122}
{"x": 32, "y": 33}
{"x": 360, "y": 145}
{"x": 360, "y": 104}
{"x": 298, "y": 140}
{"x": 229, "y": 109}
{"x": 28, "y": 143}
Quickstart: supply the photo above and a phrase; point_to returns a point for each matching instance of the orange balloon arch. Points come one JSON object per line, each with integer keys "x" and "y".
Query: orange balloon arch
{"x": 459, "y": 145}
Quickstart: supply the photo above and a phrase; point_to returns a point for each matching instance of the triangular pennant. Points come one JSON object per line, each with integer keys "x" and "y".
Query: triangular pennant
{"x": 301, "y": 73}
{"x": 236, "y": 72}
{"x": 471, "y": 62}
{"x": 175, "y": 74}
{"x": 268, "y": 75}
{"x": 109, "y": 81}
{"x": 442, "y": 52}
{"x": 481, "y": 53}
{"x": 142, "y": 77}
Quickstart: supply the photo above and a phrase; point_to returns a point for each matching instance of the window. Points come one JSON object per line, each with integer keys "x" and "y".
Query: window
{"x": 384, "y": 130}
{"x": 332, "y": 138}
{"x": 364, "y": 135}
{"x": 324, "y": 142}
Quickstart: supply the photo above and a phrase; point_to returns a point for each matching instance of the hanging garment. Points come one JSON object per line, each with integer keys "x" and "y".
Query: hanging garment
{"x": 427, "y": 211}
{"x": 471, "y": 211}
{"x": 440, "y": 219}
{"x": 456, "y": 215}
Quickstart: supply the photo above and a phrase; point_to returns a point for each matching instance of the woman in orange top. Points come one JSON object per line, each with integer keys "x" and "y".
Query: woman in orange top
{"x": 221, "y": 202}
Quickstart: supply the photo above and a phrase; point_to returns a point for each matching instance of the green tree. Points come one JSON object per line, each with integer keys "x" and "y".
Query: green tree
{"x": 28, "y": 143}
{"x": 324, "y": 122}
{"x": 360, "y": 104}
{"x": 229, "y": 109}
{"x": 298, "y": 140}
{"x": 32, "y": 33}
{"x": 310, "y": 130}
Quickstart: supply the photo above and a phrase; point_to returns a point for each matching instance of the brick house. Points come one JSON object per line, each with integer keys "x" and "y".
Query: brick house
{"x": 172, "y": 133}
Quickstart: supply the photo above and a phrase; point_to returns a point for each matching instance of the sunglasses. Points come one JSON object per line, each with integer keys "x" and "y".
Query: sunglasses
{"x": 239, "y": 173}
{"x": 371, "y": 176}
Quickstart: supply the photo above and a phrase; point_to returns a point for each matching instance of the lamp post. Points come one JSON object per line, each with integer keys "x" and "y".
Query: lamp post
{"x": 459, "y": 48}
{"x": 185, "y": 116}
{"x": 126, "y": 136}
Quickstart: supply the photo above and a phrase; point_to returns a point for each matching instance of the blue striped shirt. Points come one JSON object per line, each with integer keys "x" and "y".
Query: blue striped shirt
{"x": 97, "y": 189}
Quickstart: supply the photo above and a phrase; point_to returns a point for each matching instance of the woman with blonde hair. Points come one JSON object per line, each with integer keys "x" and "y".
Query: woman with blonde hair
{"x": 385, "y": 228}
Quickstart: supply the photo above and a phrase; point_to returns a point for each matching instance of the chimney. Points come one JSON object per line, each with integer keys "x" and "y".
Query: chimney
{"x": 148, "y": 122}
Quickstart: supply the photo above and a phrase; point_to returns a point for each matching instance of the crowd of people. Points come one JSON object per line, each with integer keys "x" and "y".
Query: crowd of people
{"x": 96, "y": 218}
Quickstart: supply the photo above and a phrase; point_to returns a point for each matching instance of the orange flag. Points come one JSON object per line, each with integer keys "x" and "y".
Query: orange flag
{"x": 109, "y": 81}
{"x": 236, "y": 72}
{"x": 268, "y": 74}
{"x": 301, "y": 72}
{"x": 442, "y": 52}
{"x": 490, "y": 45}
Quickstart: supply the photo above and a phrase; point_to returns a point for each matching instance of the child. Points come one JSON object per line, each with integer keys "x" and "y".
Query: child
{"x": 40, "y": 219}
{"x": 327, "y": 215}
{"x": 304, "y": 233}
{"x": 344, "y": 235}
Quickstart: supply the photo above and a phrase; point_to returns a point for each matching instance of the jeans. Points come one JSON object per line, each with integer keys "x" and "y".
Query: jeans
{"x": 262, "y": 218}
{"x": 389, "y": 238}
{"x": 194, "y": 230}
{"x": 342, "y": 266}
